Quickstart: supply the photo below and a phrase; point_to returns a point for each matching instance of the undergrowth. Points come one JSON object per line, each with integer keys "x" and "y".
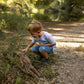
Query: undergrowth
{"x": 9, "y": 71}
{"x": 80, "y": 48}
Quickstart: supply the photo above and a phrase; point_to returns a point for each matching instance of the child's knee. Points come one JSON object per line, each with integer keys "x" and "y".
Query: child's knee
{"x": 33, "y": 49}
{"x": 42, "y": 49}
{"x": 46, "y": 49}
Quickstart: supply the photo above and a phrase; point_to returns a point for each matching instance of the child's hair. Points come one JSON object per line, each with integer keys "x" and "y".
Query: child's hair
{"x": 35, "y": 26}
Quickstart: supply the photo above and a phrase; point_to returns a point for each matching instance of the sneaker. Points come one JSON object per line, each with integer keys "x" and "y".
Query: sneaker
{"x": 46, "y": 61}
{"x": 40, "y": 58}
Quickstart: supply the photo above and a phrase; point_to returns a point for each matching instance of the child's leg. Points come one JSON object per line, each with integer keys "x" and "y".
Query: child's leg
{"x": 37, "y": 53}
{"x": 45, "y": 55}
{"x": 44, "y": 50}
{"x": 36, "y": 50}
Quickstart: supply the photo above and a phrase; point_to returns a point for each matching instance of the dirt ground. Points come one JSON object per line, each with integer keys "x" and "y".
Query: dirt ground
{"x": 68, "y": 36}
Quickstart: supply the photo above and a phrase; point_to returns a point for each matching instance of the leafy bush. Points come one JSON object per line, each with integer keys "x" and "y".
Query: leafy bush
{"x": 80, "y": 48}
{"x": 82, "y": 18}
{"x": 61, "y": 10}
{"x": 12, "y": 21}
{"x": 41, "y": 17}
{"x": 16, "y": 19}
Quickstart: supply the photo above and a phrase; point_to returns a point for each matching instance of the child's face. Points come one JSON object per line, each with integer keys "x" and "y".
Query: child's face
{"x": 34, "y": 34}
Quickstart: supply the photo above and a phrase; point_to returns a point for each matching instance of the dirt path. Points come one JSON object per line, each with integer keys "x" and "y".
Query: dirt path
{"x": 71, "y": 69}
{"x": 71, "y": 62}
{"x": 71, "y": 34}
{"x": 68, "y": 37}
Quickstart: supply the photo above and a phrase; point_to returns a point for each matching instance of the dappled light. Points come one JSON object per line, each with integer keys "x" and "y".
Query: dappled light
{"x": 1, "y": 1}
{"x": 64, "y": 20}
{"x": 34, "y": 10}
{"x": 9, "y": 1}
{"x": 67, "y": 34}
{"x": 8, "y": 32}
{"x": 69, "y": 44}
{"x": 57, "y": 29}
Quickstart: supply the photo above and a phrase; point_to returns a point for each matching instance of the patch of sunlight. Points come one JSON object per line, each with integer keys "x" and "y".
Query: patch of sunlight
{"x": 57, "y": 28}
{"x": 58, "y": 37}
{"x": 9, "y": 12}
{"x": 1, "y": 1}
{"x": 7, "y": 32}
{"x": 81, "y": 35}
{"x": 72, "y": 24}
{"x": 9, "y": 1}
{"x": 68, "y": 44}
{"x": 28, "y": 38}
{"x": 83, "y": 12}
{"x": 34, "y": 10}
{"x": 61, "y": 0}
{"x": 2, "y": 12}
{"x": 57, "y": 19}
{"x": 41, "y": 11}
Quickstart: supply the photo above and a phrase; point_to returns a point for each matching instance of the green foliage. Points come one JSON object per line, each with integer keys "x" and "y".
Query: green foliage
{"x": 77, "y": 3}
{"x": 16, "y": 19}
{"x": 3, "y": 7}
{"x": 2, "y": 35}
{"x": 19, "y": 81}
{"x": 82, "y": 18}
{"x": 48, "y": 72}
{"x": 42, "y": 3}
{"x": 80, "y": 48}
{"x": 12, "y": 21}
{"x": 2, "y": 23}
{"x": 74, "y": 9}
{"x": 15, "y": 42}
{"x": 57, "y": 10}
{"x": 0, "y": 74}
{"x": 18, "y": 59}
{"x": 6, "y": 68}
{"x": 25, "y": 9}
{"x": 41, "y": 17}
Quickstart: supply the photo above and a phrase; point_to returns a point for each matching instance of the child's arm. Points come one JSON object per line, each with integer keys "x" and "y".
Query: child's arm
{"x": 29, "y": 46}
{"x": 42, "y": 44}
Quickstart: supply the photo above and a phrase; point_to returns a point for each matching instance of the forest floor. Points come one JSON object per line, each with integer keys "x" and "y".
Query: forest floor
{"x": 67, "y": 63}
{"x": 69, "y": 37}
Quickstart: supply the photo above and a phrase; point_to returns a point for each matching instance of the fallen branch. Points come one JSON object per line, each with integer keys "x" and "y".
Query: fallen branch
{"x": 25, "y": 64}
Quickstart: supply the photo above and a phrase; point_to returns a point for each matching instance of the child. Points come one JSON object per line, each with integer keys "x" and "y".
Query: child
{"x": 46, "y": 42}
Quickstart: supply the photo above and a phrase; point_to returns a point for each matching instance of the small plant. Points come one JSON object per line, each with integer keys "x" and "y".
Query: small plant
{"x": 6, "y": 68}
{"x": 68, "y": 50}
{"x": 19, "y": 81}
{"x": 49, "y": 73}
{"x": 80, "y": 48}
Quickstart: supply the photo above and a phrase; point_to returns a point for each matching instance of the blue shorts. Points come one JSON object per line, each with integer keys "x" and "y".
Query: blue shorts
{"x": 45, "y": 49}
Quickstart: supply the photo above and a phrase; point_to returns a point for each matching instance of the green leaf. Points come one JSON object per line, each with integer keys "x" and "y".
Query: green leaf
{"x": 19, "y": 81}
{"x": 7, "y": 68}
{"x": 1, "y": 75}
{"x": 16, "y": 3}
{"x": 21, "y": 11}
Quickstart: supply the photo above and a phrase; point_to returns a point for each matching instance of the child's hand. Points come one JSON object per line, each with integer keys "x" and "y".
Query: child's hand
{"x": 42, "y": 44}
{"x": 25, "y": 50}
